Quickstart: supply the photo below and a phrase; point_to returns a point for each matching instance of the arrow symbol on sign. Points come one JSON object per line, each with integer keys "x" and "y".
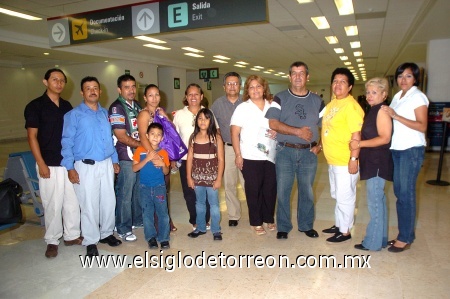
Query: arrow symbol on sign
{"x": 60, "y": 32}
{"x": 145, "y": 19}
{"x": 145, "y": 15}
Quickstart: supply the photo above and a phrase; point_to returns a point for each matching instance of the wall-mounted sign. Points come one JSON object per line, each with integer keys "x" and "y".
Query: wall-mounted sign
{"x": 152, "y": 17}
{"x": 212, "y": 73}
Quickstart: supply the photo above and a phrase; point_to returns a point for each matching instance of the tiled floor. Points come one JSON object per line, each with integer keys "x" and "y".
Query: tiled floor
{"x": 421, "y": 272}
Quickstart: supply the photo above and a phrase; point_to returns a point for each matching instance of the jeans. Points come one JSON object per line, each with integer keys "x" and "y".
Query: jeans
{"x": 291, "y": 162}
{"x": 189, "y": 196}
{"x": 153, "y": 200}
{"x": 200, "y": 206}
{"x": 128, "y": 208}
{"x": 377, "y": 229}
{"x": 407, "y": 164}
{"x": 260, "y": 190}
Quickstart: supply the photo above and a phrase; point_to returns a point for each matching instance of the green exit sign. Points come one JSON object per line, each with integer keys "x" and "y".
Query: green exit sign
{"x": 212, "y": 73}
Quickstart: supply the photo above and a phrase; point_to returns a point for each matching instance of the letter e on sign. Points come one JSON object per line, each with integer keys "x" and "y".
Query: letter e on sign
{"x": 177, "y": 15}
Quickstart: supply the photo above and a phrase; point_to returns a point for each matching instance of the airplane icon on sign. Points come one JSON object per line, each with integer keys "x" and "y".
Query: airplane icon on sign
{"x": 79, "y": 29}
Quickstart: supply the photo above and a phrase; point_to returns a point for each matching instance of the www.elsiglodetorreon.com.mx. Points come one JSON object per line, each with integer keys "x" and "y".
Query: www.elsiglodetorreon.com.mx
{"x": 170, "y": 262}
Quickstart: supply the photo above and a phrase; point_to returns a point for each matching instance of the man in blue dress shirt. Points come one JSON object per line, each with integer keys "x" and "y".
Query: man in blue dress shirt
{"x": 91, "y": 160}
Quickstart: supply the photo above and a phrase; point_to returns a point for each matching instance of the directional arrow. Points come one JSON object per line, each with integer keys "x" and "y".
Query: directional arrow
{"x": 58, "y": 32}
{"x": 145, "y": 19}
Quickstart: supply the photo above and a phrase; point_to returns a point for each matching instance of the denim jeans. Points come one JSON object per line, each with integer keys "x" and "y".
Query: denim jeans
{"x": 128, "y": 208}
{"x": 407, "y": 164}
{"x": 200, "y": 206}
{"x": 377, "y": 229}
{"x": 291, "y": 162}
{"x": 153, "y": 199}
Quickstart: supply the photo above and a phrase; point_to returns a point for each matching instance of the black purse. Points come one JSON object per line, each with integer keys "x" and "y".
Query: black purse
{"x": 10, "y": 210}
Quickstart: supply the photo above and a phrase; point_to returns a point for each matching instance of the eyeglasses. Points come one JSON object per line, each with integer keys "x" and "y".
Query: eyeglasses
{"x": 232, "y": 84}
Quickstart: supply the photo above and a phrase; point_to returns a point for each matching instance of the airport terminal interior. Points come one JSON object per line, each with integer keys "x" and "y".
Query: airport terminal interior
{"x": 389, "y": 32}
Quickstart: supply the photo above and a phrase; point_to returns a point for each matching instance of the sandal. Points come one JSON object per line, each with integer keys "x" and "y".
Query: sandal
{"x": 259, "y": 230}
{"x": 271, "y": 226}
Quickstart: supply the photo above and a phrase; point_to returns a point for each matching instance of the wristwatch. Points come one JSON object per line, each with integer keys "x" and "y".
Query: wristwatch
{"x": 354, "y": 158}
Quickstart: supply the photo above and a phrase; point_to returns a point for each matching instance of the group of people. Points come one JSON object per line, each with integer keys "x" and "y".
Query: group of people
{"x": 260, "y": 140}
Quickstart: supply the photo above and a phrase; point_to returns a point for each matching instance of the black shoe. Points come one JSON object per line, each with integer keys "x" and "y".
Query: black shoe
{"x": 339, "y": 238}
{"x": 360, "y": 247}
{"x": 196, "y": 233}
{"x": 92, "y": 250}
{"x": 282, "y": 235}
{"x": 396, "y": 249}
{"x": 164, "y": 245}
{"x": 332, "y": 230}
{"x": 391, "y": 242}
{"x": 232, "y": 222}
{"x": 111, "y": 241}
{"x": 310, "y": 233}
{"x": 152, "y": 244}
{"x": 218, "y": 236}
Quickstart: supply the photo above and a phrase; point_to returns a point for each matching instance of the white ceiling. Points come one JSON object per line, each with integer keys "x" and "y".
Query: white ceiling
{"x": 390, "y": 31}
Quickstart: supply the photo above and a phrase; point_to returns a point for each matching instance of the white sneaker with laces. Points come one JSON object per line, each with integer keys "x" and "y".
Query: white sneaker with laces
{"x": 129, "y": 237}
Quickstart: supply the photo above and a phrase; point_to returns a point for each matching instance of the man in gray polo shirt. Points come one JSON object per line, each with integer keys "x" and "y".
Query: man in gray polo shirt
{"x": 223, "y": 109}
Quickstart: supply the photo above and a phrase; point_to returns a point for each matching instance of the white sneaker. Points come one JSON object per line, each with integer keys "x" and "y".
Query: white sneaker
{"x": 129, "y": 237}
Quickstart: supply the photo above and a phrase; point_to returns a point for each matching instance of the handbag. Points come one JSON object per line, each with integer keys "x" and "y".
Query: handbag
{"x": 171, "y": 141}
{"x": 10, "y": 210}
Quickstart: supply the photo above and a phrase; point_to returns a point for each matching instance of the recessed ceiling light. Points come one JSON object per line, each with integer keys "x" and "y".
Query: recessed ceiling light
{"x": 194, "y": 55}
{"x": 359, "y": 60}
{"x": 221, "y": 57}
{"x": 281, "y": 73}
{"x": 357, "y": 54}
{"x": 220, "y": 61}
{"x": 156, "y": 47}
{"x": 347, "y": 63}
{"x": 320, "y": 22}
{"x": 351, "y": 30}
{"x": 361, "y": 65}
{"x": 242, "y": 62}
{"x": 267, "y": 72}
{"x": 355, "y": 45}
{"x": 331, "y": 39}
{"x": 255, "y": 69}
{"x": 338, "y": 50}
{"x": 19, "y": 15}
{"x": 343, "y": 57}
{"x": 192, "y": 49}
{"x": 23, "y": 69}
{"x": 285, "y": 76}
{"x": 270, "y": 70}
{"x": 344, "y": 7}
{"x": 106, "y": 61}
{"x": 278, "y": 75}
{"x": 258, "y": 67}
{"x": 239, "y": 65}
{"x": 304, "y": 1}
{"x": 56, "y": 65}
{"x": 350, "y": 67}
{"x": 150, "y": 39}
{"x": 46, "y": 53}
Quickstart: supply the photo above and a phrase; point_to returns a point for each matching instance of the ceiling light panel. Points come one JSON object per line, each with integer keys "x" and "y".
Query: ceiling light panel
{"x": 331, "y": 39}
{"x": 18, "y": 14}
{"x": 150, "y": 39}
{"x": 156, "y": 47}
{"x": 192, "y": 49}
{"x": 221, "y": 57}
{"x": 355, "y": 45}
{"x": 344, "y": 7}
{"x": 351, "y": 30}
{"x": 338, "y": 50}
{"x": 320, "y": 22}
{"x": 194, "y": 55}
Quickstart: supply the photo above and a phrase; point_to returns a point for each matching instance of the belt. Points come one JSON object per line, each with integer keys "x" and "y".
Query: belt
{"x": 298, "y": 145}
{"x": 88, "y": 161}
{"x": 229, "y": 144}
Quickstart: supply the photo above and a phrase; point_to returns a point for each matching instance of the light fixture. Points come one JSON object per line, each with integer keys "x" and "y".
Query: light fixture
{"x": 350, "y": 67}
{"x": 221, "y": 57}
{"x": 267, "y": 72}
{"x": 338, "y": 50}
{"x": 220, "y": 61}
{"x": 357, "y": 54}
{"x": 19, "y": 15}
{"x": 46, "y": 53}
{"x": 156, "y": 47}
{"x": 281, "y": 73}
{"x": 239, "y": 65}
{"x": 304, "y": 1}
{"x": 270, "y": 70}
{"x": 320, "y": 22}
{"x": 150, "y": 39}
{"x": 192, "y": 49}
{"x": 258, "y": 67}
{"x": 331, "y": 39}
{"x": 347, "y": 63}
{"x": 355, "y": 45}
{"x": 242, "y": 62}
{"x": 344, "y": 7}
{"x": 361, "y": 65}
{"x": 351, "y": 30}
{"x": 106, "y": 60}
{"x": 343, "y": 57}
{"x": 359, "y": 60}
{"x": 255, "y": 69}
{"x": 194, "y": 55}
{"x": 285, "y": 76}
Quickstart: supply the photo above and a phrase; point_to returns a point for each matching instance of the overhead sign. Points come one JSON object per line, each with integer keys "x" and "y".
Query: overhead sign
{"x": 212, "y": 73}
{"x": 152, "y": 17}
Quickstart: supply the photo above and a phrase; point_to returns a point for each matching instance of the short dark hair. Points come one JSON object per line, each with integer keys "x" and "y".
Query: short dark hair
{"x": 298, "y": 64}
{"x": 346, "y": 72}
{"x": 185, "y": 101}
{"x": 50, "y": 71}
{"x": 89, "y": 79}
{"x": 414, "y": 69}
{"x": 232, "y": 74}
{"x": 155, "y": 126}
{"x": 124, "y": 78}
{"x": 150, "y": 86}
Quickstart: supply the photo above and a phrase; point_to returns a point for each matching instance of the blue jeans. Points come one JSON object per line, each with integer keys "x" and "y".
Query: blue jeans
{"x": 377, "y": 229}
{"x": 407, "y": 164}
{"x": 128, "y": 208}
{"x": 153, "y": 199}
{"x": 291, "y": 162}
{"x": 200, "y": 208}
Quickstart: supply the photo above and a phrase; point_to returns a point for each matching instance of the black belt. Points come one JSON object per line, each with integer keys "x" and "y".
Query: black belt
{"x": 298, "y": 145}
{"x": 229, "y": 144}
{"x": 88, "y": 161}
